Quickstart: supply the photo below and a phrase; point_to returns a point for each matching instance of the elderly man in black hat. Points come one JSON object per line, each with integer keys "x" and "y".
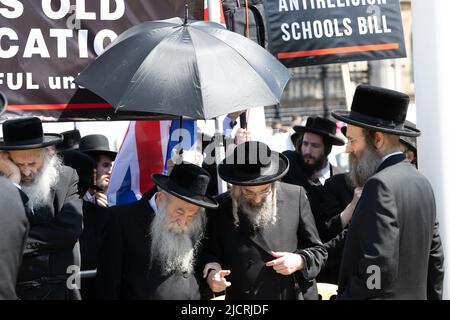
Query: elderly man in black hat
{"x": 151, "y": 246}
{"x": 53, "y": 209}
{"x": 392, "y": 249}
{"x": 309, "y": 166}
{"x": 262, "y": 243}
{"x": 97, "y": 146}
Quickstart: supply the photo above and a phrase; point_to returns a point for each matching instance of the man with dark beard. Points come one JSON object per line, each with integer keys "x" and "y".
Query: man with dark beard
{"x": 262, "y": 243}
{"x": 309, "y": 166}
{"x": 151, "y": 246}
{"x": 53, "y": 208}
{"x": 392, "y": 249}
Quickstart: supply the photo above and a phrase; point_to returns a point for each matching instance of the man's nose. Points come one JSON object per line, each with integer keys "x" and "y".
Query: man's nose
{"x": 348, "y": 148}
{"x": 26, "y": 171}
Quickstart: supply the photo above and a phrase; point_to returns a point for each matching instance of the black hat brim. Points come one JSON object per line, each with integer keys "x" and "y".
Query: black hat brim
{"x": 227, "y": 174}
{"x": 49, "y": 139}
{"x": 345, "y": 116}
{"x": 335, "y": 140}
{"x": 176, "y": 190}
{"x": 409, "y": 145}
{"x": 94, "y": 153}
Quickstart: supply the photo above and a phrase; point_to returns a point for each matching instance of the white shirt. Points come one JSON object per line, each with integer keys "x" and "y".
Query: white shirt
{"x": 324, "y": 174}
{"x": 89, "y": 197}
{"x": 152, "y": 203}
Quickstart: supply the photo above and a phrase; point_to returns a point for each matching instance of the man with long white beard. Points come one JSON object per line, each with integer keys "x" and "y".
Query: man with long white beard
{"x": 263, "y": 242}
{"x": 152, "y": 246}
{"x": 53, "y": 208}
{"x": 392, "y": 249}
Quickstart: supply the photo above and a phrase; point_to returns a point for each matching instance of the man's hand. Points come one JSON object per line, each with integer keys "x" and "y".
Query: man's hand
{"x": 347, "y": 214}
{"x": 211, "y": 265}
{"x": 8, "y": 168}
{"x": 216, "y": 280}
{"x": 286, "y": 263}
{"x": 101, "y": 199}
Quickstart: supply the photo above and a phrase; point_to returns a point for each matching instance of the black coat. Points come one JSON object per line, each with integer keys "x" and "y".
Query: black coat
{"x": 336, "y": 195}
{"x": 245, "y": 252}
{"x": 124, "y": 270}
{"x": 394, "y": 228}
{"x": 95, "y": 219}
{"x": 13, "y": 232}
{"x": 52, "y": 243}
{"x": 297, "y": 176}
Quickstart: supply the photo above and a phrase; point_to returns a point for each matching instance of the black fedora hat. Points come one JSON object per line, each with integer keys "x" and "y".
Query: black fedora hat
{"x": 96, "y": 144}
{"x": 378, "y": 109}
{"x": 323, "y": 127}
{"x": 3, "y": 102}
{"x": 71, "y": 141}
{"x": 253, "y": 163}
{"x": 85, "y": 167}
{"x": 410, "y": 142}
{"x": 187, "y": 182}
{"x": 26, "y": 133}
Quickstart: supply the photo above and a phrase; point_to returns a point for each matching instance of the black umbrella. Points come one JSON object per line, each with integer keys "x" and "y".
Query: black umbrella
{"x": 195, "y": 69}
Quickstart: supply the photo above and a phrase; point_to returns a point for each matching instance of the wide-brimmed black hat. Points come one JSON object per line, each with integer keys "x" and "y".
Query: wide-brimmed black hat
{"x": 410, "y": 142}
{"x": 323, "y": 127}
{"x": 96, "y": 144}
{"x": 378, "y": 109}
{"x": 187, "y": 182}
{"x": 3, "y": 102}
{"x": 26, "y": 133}
{"x": 85, "y": 167}
{"x": 253, "y": 163}
{"x": 71, "y": 141}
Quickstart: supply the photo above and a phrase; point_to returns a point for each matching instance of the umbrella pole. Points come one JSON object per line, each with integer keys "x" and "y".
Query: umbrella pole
{"x": 219, "y": 153}
{"x": 180, "y": 137}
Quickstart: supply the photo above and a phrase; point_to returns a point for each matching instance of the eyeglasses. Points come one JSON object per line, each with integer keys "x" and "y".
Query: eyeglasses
{"x": 250, "y": 194}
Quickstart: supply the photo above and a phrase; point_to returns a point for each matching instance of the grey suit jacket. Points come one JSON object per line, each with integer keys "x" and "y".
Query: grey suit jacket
{"x": 393, "y": 249}
{"x": 13, "y": 232}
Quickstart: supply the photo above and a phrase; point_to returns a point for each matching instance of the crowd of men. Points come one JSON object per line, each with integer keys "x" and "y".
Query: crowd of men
{"x": 288, "y": 221}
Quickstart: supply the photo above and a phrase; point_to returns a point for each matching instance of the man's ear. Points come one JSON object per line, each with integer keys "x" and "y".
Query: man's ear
{"x": 379, "y": 140}
{"x": 159, "y": 197}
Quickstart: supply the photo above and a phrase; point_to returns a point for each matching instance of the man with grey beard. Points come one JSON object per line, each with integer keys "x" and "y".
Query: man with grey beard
{"x": 263, "y": 242}
{"x": 392, "y": 249}
{"x": 151, "y": 246}
{"x": 53, "y": 208}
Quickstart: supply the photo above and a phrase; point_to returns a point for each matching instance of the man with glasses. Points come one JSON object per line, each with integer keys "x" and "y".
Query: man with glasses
{"x": 262, "y": 243}
{"x": 392, "y": 249}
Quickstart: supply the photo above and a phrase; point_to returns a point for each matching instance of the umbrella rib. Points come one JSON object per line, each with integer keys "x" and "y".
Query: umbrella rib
{"x": 246, "y": 60}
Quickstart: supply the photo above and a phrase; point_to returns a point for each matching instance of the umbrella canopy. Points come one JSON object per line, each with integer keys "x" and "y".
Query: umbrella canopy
{"x": 195, "y": 69}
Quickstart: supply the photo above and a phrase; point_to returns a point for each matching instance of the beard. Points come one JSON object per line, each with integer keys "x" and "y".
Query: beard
{"x": 175, "y": 247}
{"x": 364, "y": 166}
{"x": 261, "y": 215}
{"x": 311, "y": 168}
{"x": 38, "y": 186}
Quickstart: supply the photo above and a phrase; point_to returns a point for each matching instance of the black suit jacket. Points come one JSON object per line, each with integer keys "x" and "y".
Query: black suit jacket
{"x": 95, "y": 219}
{"x": 245, "y": 252}
{"x": 13, "y": 232}
{"x": 297, "y": 176}
{"x": 124, "y": 269}
{"x": 394, "y": 229}
{"x": 52, "y": 244}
